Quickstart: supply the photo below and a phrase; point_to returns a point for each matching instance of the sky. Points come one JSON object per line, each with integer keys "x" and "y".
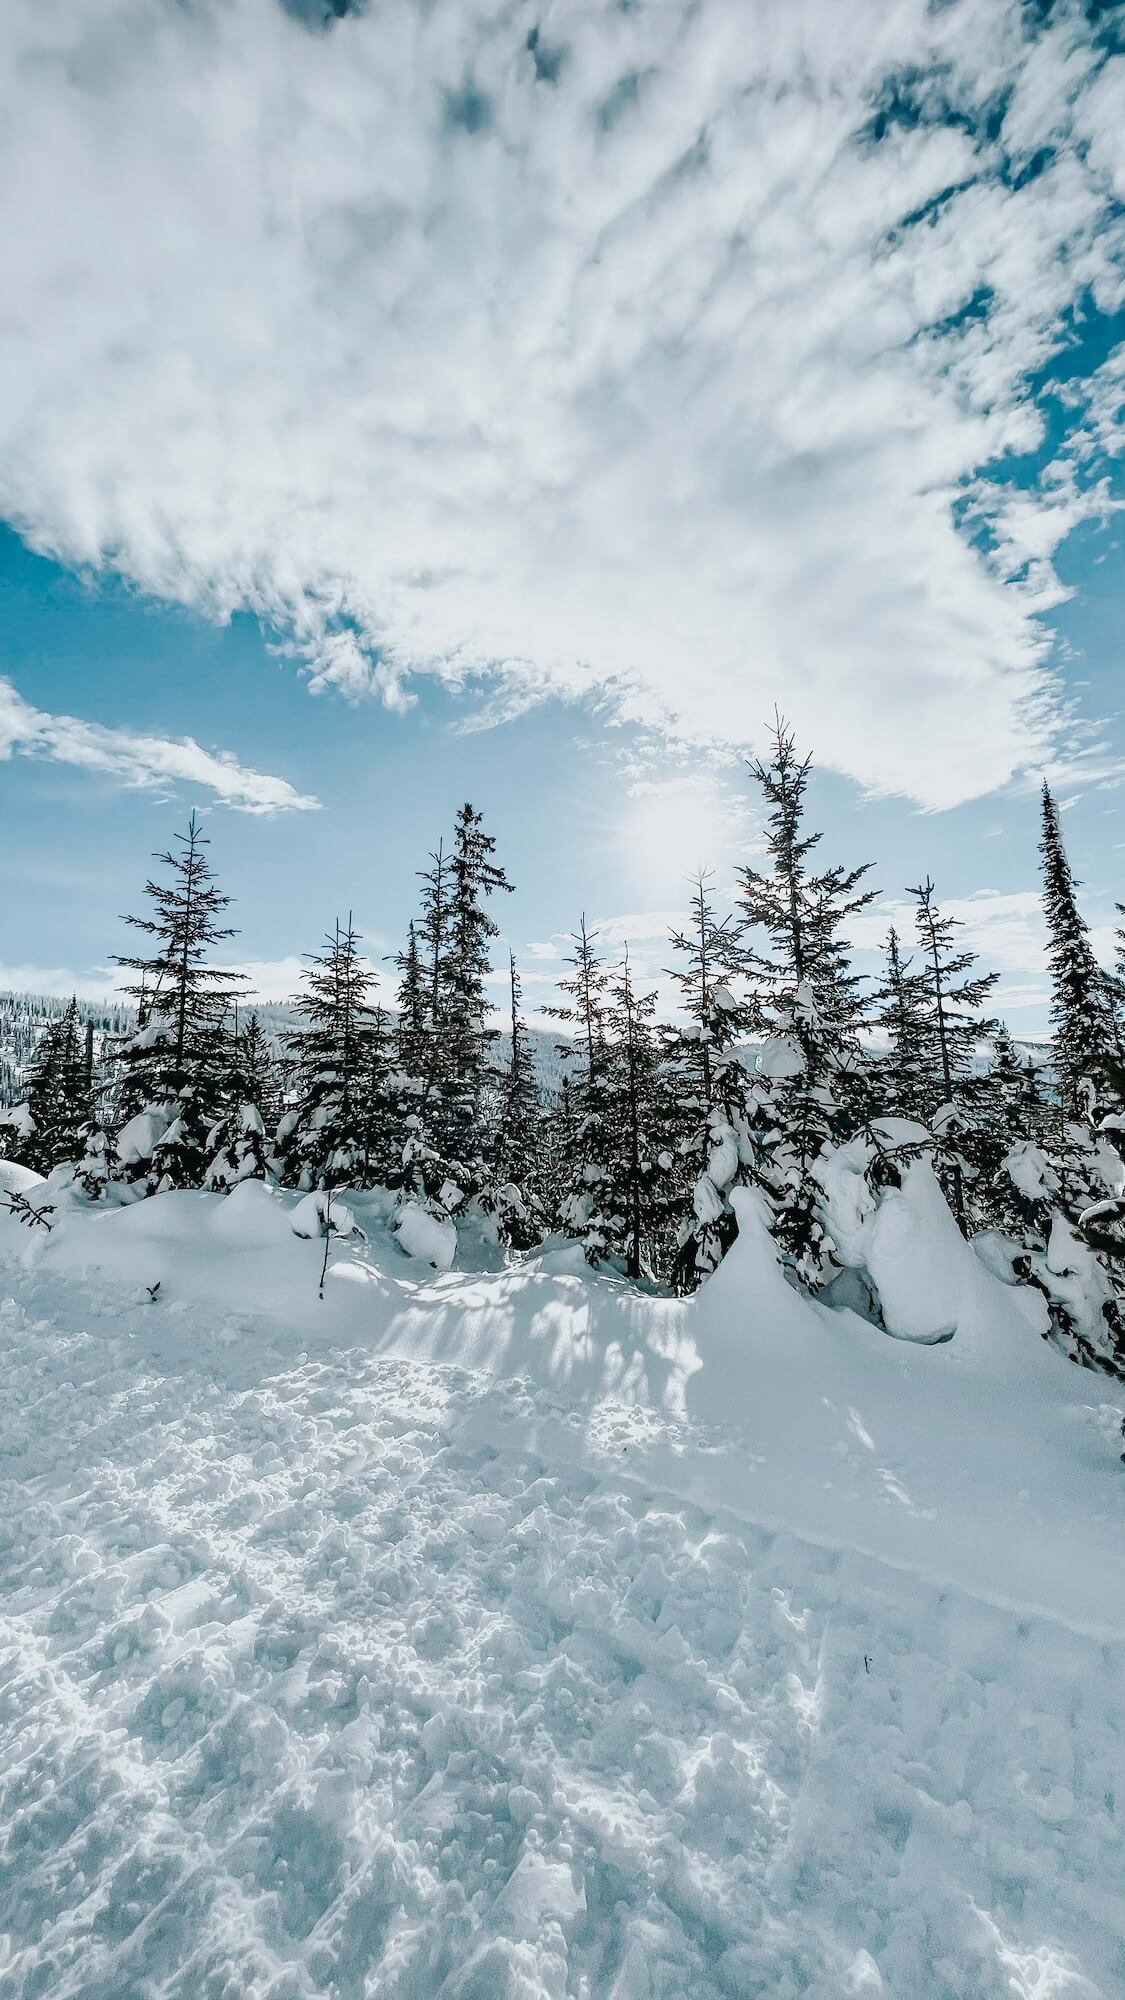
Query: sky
{"x": 517, "y": 403}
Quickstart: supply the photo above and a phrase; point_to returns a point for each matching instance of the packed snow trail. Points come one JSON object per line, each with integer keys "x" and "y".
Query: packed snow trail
{"x": 307, "y": 1689}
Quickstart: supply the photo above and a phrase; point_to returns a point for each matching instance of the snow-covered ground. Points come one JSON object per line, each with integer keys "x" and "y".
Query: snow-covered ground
{"x": 515, "y": 1636}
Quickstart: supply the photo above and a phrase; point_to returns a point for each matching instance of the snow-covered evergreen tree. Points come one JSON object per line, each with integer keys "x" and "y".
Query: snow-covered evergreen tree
{"x": 903, "y": 1074}
{"x": 258, "y": 1078}
{"x": 805, "y": 1002}
{"x": 237, "y": 1143}
{"x": 97, "y": 1158}
{"x": 952, "y": 995}
{"x": 241, "y": 1148}
{"x": 518, "y": 1143}
{"x": 382, "y": 1105}
{"x": 414, "y": 1004}
{"x": 336, "y": 1060}
{"x": 707, "y": 1088}
{"x": 461, "y": 1017}
{"x": 632, "y": 1218}
{"x": 444, "y": 1034}
{"x": 1081, "y": 998}
{"x": 169, "y": 1073}
{"x": 1010, "y": 1113}
{"x": 59, "y": 1100}
{"x": 581, "y": 1138}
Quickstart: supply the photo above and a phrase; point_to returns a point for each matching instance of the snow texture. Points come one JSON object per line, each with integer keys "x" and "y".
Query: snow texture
{"x": 516, "y": 1636}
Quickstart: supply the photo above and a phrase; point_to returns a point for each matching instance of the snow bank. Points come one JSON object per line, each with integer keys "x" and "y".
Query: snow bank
{"x": 972, "y": 1460}
{"x": 517, "y": 1636}
{"x": 969, "y": 1460}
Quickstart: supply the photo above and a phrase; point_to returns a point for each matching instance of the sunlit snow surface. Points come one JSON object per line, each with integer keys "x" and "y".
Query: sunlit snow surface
{"x": 506, "y": 1637}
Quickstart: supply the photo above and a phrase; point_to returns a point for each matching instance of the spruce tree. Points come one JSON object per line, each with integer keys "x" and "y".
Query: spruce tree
{"x": 444, "y": 1035}
{"x": 517, "y": 1144}
{"x": 466, "y": 1035}
{"x": 631, "y": 1220}
{"x": 171, "y": 1069}
{"x": 1081, "y": 1000}
{"x": 582, "y": 1141}
{"x": 410, "y": 1039}
{"x": 952, "y": 995}
{"x": 259, "y": 1082}
{"x": 707, "y": 1088}
{"x": 336, "y": 1061}
{"x": 811, "y": 1085}
{"x": 59, "y": 1099}
{"x": 904, "y": 1074}
{"x": 94, "y": 1169}
{"x": 381, "y": 1105}
{"x": 1010, "y": 1115}
{"x": 237, "y": 1144}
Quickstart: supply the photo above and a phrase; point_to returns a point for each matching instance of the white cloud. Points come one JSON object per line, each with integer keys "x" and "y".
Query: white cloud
{"x": 611, "y": 934}
{"x": 657, "y": 384}
{"x": 1103, "y": 396}
{"x": 279, "y": 979}
{"x": 1006, "y": 929}
{"x": 93, "y": 982}
{"x": 149, "y": 763}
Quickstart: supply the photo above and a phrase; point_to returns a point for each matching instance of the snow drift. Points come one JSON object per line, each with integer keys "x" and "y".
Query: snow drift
{"x": 518, "y": 1636}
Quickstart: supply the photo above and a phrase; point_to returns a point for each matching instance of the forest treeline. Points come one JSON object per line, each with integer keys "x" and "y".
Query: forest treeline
{"x": 655, "y": 1122}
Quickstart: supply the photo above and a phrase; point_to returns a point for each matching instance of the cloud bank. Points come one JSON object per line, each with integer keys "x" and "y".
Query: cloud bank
{"x": 142, "y": 763}
{"x": 660, "y": 355}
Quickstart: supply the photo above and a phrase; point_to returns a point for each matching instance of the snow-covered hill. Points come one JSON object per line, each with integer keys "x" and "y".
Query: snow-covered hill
{"x": 519, "y": 1636}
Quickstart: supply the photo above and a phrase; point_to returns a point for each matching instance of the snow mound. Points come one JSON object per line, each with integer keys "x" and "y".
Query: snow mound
{"x": 420, "y": 1233}
{"x": 15, "y": 1179}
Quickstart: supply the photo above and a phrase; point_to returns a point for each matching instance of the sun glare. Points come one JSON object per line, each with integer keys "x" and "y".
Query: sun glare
{"x": 672, "y": 833}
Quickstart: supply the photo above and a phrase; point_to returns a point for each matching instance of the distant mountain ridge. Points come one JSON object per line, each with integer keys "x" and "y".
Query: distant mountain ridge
{"x": 23, "y": 1017}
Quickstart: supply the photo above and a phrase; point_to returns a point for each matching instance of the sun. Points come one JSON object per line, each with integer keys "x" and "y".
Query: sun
{"x": 673, "y": 830}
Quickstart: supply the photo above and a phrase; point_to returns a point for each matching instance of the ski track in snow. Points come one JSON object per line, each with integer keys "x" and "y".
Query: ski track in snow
{"x": 306, "y": 1689}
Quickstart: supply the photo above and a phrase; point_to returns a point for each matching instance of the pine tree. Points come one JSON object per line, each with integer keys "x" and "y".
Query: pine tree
{"x": 812, "y": 1084}
{"x": 170, "y": 1071}
{"x": 707, "y": 1088}
{"x": 258, "y": 1079}
{"x": 582, "y": 1139}
{"x": 463, "y": 1010}
{"x": 411, "y": 1041}
{"x": 58, "y": 1096}
{"x": 1010, "y": 1115}
{"x": 904, "y": 1074}
{"x": 94, "y": 1169}
{"x": 237, "y": 1144}
{"x": 335, "y": 1061}
{"x": 517, "y": 1143}
{"x": 381, "y": 1105}
{"x": 632, "y": 1217}
{"x": 952, "y": 995}
{"x": 1081, "y": 1001}
{"x": 444, "y": 1036}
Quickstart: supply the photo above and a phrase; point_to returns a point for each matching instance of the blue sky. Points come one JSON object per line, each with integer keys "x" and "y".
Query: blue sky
{"x": 524, "y": 435}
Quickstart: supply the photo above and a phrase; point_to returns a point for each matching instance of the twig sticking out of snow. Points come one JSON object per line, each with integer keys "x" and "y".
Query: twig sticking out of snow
{"x": 19, "y": 1206}
{"x": 328, "y": 1227}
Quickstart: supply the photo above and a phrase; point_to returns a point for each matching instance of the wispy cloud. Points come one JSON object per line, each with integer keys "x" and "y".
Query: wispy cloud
{"x": 1006, "y": 929}
{"x": 140, "y": 762}
{"x": 655, "y": 372}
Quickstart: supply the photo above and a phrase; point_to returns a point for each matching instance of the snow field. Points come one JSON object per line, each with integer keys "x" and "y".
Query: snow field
{"x": 514, "y": 1636}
